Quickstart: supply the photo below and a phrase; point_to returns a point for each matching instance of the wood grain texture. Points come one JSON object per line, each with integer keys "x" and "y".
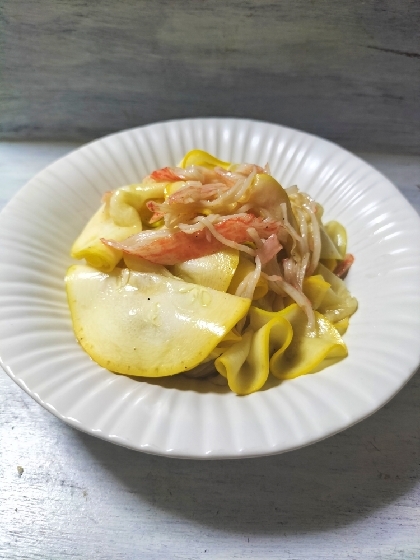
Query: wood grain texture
{"x": 64, "y": 494}
{"x": 347, "y": 71}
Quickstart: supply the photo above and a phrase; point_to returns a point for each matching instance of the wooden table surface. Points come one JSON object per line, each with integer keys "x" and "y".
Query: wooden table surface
{"x": 64, "y": 494}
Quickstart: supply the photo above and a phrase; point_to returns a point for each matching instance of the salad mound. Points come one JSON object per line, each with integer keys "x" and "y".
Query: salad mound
{"x": 211, "y": 269}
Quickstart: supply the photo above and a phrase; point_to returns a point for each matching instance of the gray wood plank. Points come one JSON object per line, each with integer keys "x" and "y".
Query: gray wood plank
{"x": 348, "y": 71}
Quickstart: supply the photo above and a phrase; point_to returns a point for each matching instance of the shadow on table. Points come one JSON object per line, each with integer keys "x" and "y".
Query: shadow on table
{"x": 330, "y": 484}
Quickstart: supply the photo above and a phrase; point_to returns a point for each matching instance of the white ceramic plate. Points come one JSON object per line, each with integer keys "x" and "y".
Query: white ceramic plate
{"x": 187, "y": 418}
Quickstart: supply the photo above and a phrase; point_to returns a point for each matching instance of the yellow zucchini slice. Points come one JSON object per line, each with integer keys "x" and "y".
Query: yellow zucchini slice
{"x": 145, "y": 324}
{"x": 307, "y": 349}
{"x": 213, "y": 271}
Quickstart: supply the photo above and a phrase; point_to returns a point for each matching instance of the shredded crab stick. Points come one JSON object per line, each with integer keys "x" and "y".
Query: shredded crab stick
{"x": 190, "y": 194}
{"x": 344, "y": 266}
{"x": 164, "y": 174}
{"x": 172, "y": 247}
